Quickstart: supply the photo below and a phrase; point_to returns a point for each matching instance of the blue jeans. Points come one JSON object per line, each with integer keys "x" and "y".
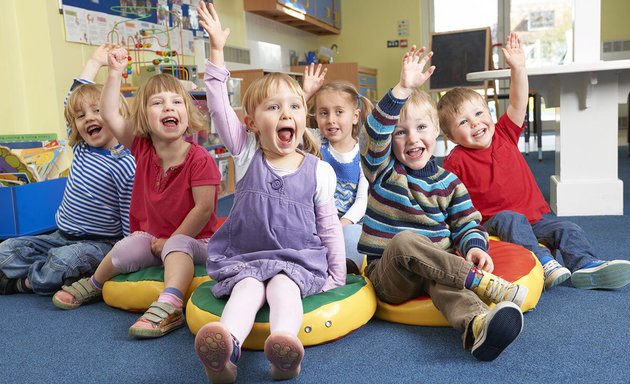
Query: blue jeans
{"x": 351, "y": 235}
{"x": 553, "y": 233}
{"x": 47, "y": 260}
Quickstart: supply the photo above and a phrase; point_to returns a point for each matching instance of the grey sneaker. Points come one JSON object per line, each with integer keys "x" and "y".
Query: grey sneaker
{"x": 496, "y": 330}
{"x": 496, "y": 290}
{"x": 555, "y": 274}
{"x": 609, "y": 275}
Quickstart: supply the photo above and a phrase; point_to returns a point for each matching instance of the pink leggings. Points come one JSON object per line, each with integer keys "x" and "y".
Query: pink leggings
{"x": 134, "y": 251}
{"x": 249, "y": 295}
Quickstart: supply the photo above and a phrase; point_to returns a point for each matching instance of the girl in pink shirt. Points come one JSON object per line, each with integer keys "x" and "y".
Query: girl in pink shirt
{"x": 172, "y": 213}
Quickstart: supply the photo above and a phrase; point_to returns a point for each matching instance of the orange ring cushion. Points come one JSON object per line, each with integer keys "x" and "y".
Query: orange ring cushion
{"x": 511, "y": 262}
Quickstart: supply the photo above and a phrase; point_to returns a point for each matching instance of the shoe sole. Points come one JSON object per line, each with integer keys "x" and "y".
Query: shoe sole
{"x": 285, "y": 353}
{"x": 213, "y": 346}
{"x": 502, "y": 329}
{"x": 147, "y": 333}
{"x": 614, "y": 275}
{"x": 557, "y": 278}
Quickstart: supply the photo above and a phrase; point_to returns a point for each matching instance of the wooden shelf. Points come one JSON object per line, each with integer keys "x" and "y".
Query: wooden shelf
{"x": 273, "y": 10}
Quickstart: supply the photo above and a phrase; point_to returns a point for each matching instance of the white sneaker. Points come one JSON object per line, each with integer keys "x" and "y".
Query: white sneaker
{"x": 609, "y": 275}
{"x": 555, "y": 274}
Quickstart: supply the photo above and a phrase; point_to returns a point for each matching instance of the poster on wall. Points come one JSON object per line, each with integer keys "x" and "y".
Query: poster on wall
{"x": 152, "y": 25}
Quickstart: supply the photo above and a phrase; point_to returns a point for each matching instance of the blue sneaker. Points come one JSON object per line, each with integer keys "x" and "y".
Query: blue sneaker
{"x": 607, "y": 275}
{"x": 555, "y": 273}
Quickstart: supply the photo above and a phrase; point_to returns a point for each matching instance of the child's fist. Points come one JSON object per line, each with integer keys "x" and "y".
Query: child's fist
{"x": 117, "y": 59}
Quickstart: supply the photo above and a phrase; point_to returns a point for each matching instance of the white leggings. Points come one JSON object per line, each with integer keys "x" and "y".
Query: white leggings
{"x": 249, "y": 295}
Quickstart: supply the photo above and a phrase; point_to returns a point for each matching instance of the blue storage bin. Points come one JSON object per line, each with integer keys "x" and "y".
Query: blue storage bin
{"x": 30, "y": 209}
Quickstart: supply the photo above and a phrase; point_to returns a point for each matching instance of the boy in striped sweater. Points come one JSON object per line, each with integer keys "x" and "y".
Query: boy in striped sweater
{"x": 419, "y": 214}
{"x": 94, "y": 211}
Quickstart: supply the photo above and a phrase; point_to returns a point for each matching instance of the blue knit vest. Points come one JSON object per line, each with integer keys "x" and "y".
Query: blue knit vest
{"x": 348, "y": 175}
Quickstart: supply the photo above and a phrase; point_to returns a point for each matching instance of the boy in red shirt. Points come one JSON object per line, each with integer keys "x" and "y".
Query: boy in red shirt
{"x": 503, "y": 189}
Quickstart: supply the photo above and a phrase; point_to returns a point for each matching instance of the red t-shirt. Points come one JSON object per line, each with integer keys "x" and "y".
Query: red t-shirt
{"x": 160, "y": 201}
{"x": 498, "y": 177}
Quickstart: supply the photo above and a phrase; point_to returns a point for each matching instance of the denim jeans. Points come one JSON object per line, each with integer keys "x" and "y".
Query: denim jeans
{"x": 413, "y": 266}
{"x": 48, "y": 260}
{"x": 553, "y": 233}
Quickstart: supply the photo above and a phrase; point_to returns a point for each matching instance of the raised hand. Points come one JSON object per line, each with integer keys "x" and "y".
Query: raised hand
{"x": 412, "y": 74}
{"x": 95, "y": 62}
{"x": 117, "y": 59}
{"x": 313, "y": 79}
{"x": 209, "y": 21}
{"x": 100, "y": 54}
{"x": 513, "y": 52}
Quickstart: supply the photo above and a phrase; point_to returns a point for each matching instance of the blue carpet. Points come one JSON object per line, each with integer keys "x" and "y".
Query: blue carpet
{"x": 572, "y": 336}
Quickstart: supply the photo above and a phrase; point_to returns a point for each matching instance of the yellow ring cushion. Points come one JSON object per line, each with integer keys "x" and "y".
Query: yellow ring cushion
{"x": 137, "y": 290}
{"x": 327, "y": 316}
{"x": 511, "y": 262}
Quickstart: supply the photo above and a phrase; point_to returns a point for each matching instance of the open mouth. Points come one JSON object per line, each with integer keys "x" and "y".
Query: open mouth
{"x": 93, "y": 130}
{"x": 285, "y": 135}
{"x": 332, "y": 131}
{"x": 170, "y": 122}
{"x": 415, "y": 153}
{"x": 479, "y": 133}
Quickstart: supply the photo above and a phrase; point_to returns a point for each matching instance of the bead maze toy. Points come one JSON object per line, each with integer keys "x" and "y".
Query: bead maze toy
{"x": 143, "y": 42}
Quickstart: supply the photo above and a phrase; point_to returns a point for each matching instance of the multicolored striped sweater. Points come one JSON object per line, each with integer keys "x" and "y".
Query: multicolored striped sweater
{"x": 430, "y": 201}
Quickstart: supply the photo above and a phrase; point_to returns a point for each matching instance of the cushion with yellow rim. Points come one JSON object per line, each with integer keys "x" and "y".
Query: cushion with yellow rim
{"x": 511, "y": 262}
{"x": 327, "y": 316}
{"x": 137, "y": 290}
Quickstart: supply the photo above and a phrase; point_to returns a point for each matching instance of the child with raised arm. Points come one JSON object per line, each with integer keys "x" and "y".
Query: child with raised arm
{"x": 94, "y": 211}
{"x": 172, "y": 212}
{"x": 339, "y": 111}
{"x": 288, "y": 247}
{"x": 501, "y": 185}
{"x": 419, "y": 215}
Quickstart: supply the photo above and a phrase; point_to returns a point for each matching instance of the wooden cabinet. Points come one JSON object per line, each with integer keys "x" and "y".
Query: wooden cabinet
{"x": 321, "y": 17}
{"x": 249, "y": 75}
{"x": 363, "y": 78}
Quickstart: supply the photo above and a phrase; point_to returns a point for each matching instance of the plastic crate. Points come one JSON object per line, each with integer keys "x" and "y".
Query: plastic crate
{"x": 30, "y": 209}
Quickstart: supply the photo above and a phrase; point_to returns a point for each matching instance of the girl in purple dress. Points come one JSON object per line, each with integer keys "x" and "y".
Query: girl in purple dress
{"x": 283, "y": 240}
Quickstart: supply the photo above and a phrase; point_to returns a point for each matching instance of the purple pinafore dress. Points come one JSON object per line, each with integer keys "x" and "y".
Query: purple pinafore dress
{"x": 270, "y": 230}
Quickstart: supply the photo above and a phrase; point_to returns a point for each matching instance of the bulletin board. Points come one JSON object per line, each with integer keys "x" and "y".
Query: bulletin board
{"x": 185, "y": 8}
{"x": 456, "y": 54}
{"x": 175, "y": 23}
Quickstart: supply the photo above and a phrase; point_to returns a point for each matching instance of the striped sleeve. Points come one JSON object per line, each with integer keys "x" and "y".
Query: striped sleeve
{"x": 376, "y": 136}
{"x": 464, "y": 221}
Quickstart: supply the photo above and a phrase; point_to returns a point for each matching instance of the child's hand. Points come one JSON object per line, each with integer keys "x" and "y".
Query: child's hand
{"x": 481, "y": 259}
{"x": 212, "y": 25}
{"x": 156, "y": 247}
{"x": 313, "y": 79}
{"x": 117, "y": 59}
{"x": 99, "y": 56}
{"x": 513, "y": 52}
{"x": 95, "y": 62}
{"x": 412, "y": 74}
